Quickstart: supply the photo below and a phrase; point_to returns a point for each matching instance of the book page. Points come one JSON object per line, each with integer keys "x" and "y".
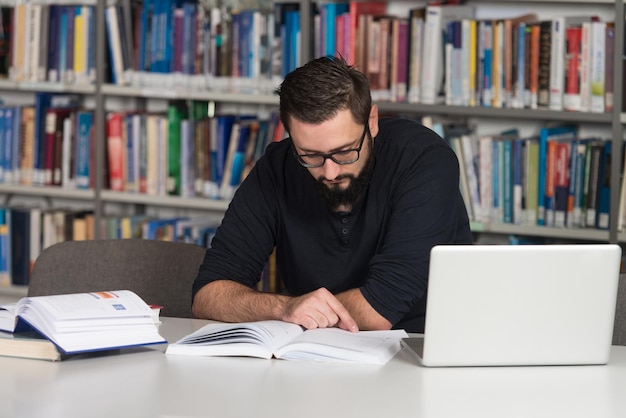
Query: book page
{"x": 7, "y": 317}
{"x": 256, "y": 339}
{"x": 337, "y": 345}
{"x": 86, "y": 306}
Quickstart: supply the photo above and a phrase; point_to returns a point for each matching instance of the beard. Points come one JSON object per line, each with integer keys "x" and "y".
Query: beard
{"x": 335, "y": 197}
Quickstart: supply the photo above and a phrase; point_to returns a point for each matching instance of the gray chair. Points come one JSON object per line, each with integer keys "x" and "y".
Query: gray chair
{"x": 160, "y": 272}
{"x": 619, "y": 330}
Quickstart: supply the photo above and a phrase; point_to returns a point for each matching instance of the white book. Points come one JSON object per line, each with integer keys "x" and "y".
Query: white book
{"x": 457, "y": 146}
{"x": 432, "y": 54}
{"x": 64, "y": 174}
{"x": 287, "y": 341}
{"x": 415, "y": 59}
{"x": 557, "y": 58}
{"x": 34, "y": 34}
{"x": 598, "y": 63}
{"x": 83, "y": 322}
{"x": 470, "y": 155}
{"x": 485, "y": 152}
{"x": 113, "y": 32}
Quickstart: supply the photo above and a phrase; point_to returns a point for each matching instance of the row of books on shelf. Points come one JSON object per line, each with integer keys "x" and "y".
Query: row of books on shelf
{"x": 46, "y": 143}
{"x": 554, "y": 178}
{"x": 434, "y": 53}
{"x": 48, "y": 42}
{"x": 184, "y": 152}
{"x": 26, "y": 231}
{"x": 442, "y": 53}
{"x": 181, "y": 152}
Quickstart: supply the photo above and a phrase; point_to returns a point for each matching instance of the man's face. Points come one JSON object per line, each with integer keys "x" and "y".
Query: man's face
{"x": 339, "y": 184}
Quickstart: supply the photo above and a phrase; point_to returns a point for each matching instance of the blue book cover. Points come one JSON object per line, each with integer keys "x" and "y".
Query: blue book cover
{"x": 63, "y": 35}
{"x": 145, "y": 36}
{"x": 156, "y": 28}
{"x": 7, "y": 143}
{"x": 15, "y": 143}
{"x": 224, "y": 128}
{"x": 54, "y": 42}
{"x": 168, "y": 38}
{"x": 603, "y": 206}
{"x": 42, "y": 104}
{"x": 546, "y": 203}
{"x": 332, "y": 10}
{"x": 84, "y": 124}
{"x": 487, "y": 63}
{"x": 239, "y": 159}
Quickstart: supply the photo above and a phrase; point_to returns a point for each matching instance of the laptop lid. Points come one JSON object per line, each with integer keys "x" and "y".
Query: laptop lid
{"x": 514, "y": 305}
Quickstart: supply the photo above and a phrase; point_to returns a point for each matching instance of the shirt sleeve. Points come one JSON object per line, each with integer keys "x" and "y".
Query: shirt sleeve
{"x": 245, "y": 238}
{"x": 425, "y": 210}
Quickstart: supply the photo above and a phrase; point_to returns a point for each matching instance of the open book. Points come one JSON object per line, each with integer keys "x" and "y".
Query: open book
{"x": 83, "y": 322}
{"x": 284, "y": 340}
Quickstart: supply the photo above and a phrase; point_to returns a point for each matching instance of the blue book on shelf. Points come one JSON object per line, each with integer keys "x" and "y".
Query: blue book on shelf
{"x": 239, "y": 159}
{"x": 63, "y": 37}
{"x": 7, "y": 143}
{"x": 54, "y": 42}
{"x": 545, "y": 134}
{"x": 332, "y": 10}
{"x": 84, "y": 124}
{"x": 145, "y": 36}
{"x": 42, "y": 104}
{"x": 558, "y": 133}
{"x": 603, "y": 205}
{"x": 224, "y": 128}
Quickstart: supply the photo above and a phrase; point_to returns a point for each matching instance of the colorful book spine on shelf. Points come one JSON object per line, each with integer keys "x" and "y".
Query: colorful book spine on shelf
{"x": 84, "y": 133}
{"x": 115, "y": 150}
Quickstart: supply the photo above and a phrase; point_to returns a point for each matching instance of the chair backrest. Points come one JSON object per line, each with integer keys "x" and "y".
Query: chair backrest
{"x": 619, "y": 329}
{"x": 160, "y": 272}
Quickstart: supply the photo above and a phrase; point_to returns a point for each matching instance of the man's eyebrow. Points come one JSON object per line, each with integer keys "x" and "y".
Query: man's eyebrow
{"x": 340, "y": 148}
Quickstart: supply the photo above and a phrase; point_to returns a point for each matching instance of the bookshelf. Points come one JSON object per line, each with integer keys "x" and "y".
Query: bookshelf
{"x": 101, "y": 92}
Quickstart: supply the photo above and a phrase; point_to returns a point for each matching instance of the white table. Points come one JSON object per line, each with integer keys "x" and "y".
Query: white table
{"x": 143, "y": 382}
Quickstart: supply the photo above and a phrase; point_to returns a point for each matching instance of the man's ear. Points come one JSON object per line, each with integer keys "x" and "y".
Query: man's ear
{"x": 373, "y": 121}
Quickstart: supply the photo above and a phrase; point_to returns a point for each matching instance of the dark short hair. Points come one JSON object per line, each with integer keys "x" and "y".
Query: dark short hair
{"x": 319, "y": 89}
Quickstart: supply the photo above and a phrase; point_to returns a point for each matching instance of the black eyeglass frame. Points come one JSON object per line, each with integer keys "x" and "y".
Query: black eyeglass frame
{"x": 331, "y": 155}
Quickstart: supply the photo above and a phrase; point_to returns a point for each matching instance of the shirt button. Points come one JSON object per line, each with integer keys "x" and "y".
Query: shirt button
{"x": 344, "y": 220}
{"x": 344, "y": 231}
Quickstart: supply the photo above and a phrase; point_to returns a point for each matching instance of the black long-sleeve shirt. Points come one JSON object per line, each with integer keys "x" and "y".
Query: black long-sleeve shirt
{"x": 382, "y": 246}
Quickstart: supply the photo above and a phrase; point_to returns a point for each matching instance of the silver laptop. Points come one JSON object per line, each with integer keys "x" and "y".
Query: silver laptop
{"x": 515, "y": 305}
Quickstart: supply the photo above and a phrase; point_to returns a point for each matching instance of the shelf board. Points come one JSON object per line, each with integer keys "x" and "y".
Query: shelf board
{"x": 165, "y": 201}
{"x": 586, "y": 234}
{"x": 490, "y": 112}
{"x": 35, "y": 87}
{"x": 47, "y": 191}
{"x": 189, "y": 94}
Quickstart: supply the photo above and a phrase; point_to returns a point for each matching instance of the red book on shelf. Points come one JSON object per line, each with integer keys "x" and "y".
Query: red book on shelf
{"x": 115, "y": 149}
{"x": 356, "y": 9}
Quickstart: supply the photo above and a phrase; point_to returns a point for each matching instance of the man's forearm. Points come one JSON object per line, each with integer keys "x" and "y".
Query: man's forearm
{"x": 228, "y": 301}
{"x": 365, "y": 316}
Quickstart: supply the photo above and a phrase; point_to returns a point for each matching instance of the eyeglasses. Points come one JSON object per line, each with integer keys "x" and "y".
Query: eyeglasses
{"x": 342, "y": 157}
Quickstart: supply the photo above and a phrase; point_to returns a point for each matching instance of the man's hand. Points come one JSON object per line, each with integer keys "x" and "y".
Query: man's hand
{"x": 318, "y": 309}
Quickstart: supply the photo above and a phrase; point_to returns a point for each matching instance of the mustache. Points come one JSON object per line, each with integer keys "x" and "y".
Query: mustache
{"x": 340, "y": 177}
